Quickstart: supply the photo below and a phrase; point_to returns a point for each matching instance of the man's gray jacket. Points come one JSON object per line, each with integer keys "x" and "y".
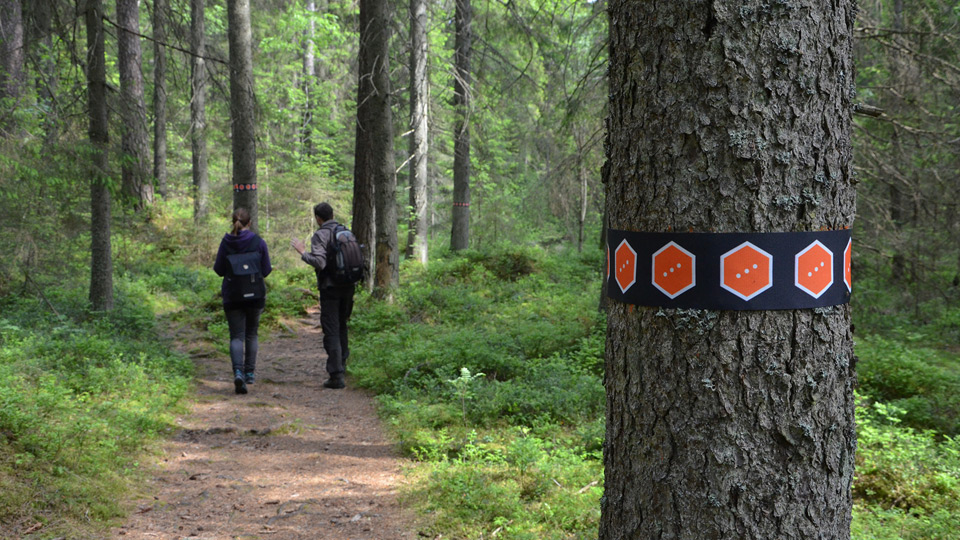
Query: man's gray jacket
{"x": 319, "y": 248}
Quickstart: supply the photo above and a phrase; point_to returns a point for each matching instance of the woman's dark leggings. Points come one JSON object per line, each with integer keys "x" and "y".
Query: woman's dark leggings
{"x": 244, "y": 323}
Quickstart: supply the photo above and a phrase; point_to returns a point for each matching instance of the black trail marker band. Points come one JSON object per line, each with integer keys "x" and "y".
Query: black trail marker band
{"x": 729, "y": 271}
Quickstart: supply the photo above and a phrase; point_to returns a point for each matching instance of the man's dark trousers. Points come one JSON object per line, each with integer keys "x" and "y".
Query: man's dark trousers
{"x": 336, "y": 306}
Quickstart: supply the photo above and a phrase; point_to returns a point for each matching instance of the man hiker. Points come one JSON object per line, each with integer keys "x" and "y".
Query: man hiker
{"x": 336, "y": 295}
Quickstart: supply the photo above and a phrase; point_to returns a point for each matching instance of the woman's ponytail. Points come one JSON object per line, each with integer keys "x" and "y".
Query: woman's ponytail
{"x": 241, "y": 218}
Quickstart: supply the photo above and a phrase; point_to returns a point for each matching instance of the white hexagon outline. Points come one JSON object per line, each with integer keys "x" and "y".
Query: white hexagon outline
{"x": 769, "y": 276}
{"x": 796, "y": 269}
{"x": 848, "y": 248}
{"x": 622, "y": 288}
{"x": 693, "y": 270}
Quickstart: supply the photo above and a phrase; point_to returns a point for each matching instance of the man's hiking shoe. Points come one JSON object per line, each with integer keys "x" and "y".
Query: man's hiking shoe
{"x": 334, "y": 383}
{"x": 238, "y": 383}
{"x": 248, "y": 377}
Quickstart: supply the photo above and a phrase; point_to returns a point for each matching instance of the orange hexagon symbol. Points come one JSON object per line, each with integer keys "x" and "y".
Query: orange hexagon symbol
{"x": 674, "y": 270}
{"x": 746, "y": 270}
{"x": 626, "y": 271}
{"x": 848, "y": 266}
{"x": 813, "y": 270}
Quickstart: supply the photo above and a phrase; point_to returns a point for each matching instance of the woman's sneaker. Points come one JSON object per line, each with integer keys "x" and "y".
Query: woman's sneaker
{"x": 248, "y": 377}
{"x": 238, "y": 383}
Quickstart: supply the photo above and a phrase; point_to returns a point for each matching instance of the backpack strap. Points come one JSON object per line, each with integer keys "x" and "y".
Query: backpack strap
{"x": 229, "y": 250}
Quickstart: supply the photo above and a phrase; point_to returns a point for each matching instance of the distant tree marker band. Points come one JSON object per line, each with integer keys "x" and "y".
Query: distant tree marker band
{"x": 730, "y": 271}
{"x": 244, "y": 187}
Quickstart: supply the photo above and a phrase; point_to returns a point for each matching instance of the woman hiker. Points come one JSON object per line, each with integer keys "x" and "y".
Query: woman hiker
{"x": 243, "y": 261}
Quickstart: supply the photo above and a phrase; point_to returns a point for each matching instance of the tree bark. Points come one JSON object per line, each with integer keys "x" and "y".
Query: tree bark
{"x": 135, "y": 142}
{"x": 198, "y": 118}
{"x": 160, "y": 96}
{"x": 582, "y": 180}
{"x": 101, "y": 261}
{"x": 242, "y": 104}
{"x": 460, "y": 231}
{"x": 419, "y": 98}
{"x": 309, "y": 77}
{"x": 11, "y": 54}
{"x": 364, "y": 185}
{"x": 898, "y": 261}
{"x": 729, "y": 424}
{"x": 40, "y": 47}
{"x": 377, "y": 122}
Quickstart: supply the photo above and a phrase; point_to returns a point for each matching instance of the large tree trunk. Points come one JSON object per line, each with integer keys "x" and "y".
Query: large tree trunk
{"x": 11, "y": 55}
{"x": 101, "y": 261}
{"x": 898, "y": 261}
{"x": 242, "y": 103}
{"x": 309, "y": 78}
{"x": 160, "y": 96}
{"x": 729, "y": 424}
{"x": 582, "y": 180}
{"x": 135, "y": 142}
{"x": 198, "y": 115}
{"x": 40, "y": 48}
{"x": 417, "y": 237}
{"x": 460, "y": 231}
{"x": 364, "y": 187}
{"x": 377, "y": 122}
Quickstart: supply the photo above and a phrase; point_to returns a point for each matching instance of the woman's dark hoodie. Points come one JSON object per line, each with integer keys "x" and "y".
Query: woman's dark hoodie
{"x": 244, "y": 242}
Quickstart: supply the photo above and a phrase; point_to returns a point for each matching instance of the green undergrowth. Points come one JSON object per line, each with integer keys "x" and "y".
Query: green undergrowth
{"x": 907, "y": 482}
{"x": 488, "y": 367}
{"x": 908, "y": 455}
{"x": 922, "y": 381}
{"x": 82, "y": 395}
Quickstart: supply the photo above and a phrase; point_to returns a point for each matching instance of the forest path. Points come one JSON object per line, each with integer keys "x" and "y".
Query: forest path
{"x": 290, "y": 460}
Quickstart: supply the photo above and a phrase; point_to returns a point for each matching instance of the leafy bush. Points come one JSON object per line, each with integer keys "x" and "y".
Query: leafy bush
{"x": 516, "y": 487}
{"x": 489, "y": 369}
{"x": 923, "y": 382}
{"x": 908, "y": 482}
{"x": 80, "y": 397}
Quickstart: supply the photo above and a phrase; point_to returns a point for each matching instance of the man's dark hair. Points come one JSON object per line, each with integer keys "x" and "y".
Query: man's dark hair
{"x": 323, "y": 211}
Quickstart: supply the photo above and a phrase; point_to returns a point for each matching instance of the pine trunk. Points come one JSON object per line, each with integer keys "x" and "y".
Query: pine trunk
{"x": 198, "y": 118}
{"x": 39, "y": 14}
{"x": 101, "y": 261}
{"x": 364, "y": 184}
{"x": 582, "y": 181}
{"x": 382, "y": 166}
{"x": 11, "y": 57}
{"x": 309, "y": 78}
{"x": 135, "y": 143}
{"x": 729, "y": 424}
{"x": 898, "y": 261}
{"x": 160, "y": 97}
{"x": 460, "y": 232}
{"x": 244, "y": 147}
{"x": 417, "y": 238}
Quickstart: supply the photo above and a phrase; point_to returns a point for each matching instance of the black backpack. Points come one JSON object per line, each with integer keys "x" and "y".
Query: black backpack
{"x": 246, "y": 278}
{"x": 346, "y": 256}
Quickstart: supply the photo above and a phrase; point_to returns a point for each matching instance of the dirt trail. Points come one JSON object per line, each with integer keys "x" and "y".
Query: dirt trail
{"x": 290, "y": 460}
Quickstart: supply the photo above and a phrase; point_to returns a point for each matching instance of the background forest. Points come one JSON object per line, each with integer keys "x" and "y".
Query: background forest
{"x": 487, "y": 361}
